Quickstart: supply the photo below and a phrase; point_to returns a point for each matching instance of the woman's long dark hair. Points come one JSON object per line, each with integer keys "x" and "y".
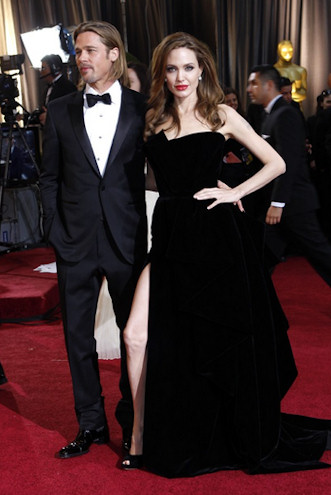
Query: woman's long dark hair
{"x": 209, "y": 91}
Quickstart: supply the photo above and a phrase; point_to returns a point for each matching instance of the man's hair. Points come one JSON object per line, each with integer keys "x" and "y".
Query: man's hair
{"x": 111, "y": 38}
{"x": 54, "y": 63}
{"x": 268, "y": 73}
{"x": 284, "y": 81}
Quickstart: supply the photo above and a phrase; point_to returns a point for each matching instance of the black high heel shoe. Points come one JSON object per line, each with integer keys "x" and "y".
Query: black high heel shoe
{"x": 132, "y": 462}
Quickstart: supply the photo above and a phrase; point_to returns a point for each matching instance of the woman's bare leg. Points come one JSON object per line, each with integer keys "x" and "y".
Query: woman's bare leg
{"x": 135, "y": 338}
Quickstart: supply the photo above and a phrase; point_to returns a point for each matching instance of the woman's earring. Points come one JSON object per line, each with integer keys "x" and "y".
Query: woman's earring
{"x": 200, "y": 78}
{"x": 165, "y": 80}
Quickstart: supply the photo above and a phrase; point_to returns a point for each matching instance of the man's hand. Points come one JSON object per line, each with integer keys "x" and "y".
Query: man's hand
{"x": 274, "y": 215}
{"x": 42, "y": 116}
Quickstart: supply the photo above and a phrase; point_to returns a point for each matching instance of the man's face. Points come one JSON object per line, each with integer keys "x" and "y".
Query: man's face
{"x": 326, "y": 103}
{"x": 94, "y": 60}
{"x": 287, "y": 93}
{"x": 257, "y": 89}
{"x": 45, "y": 73}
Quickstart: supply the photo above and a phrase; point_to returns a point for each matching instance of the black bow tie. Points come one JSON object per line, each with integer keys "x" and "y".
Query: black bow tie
{"x": 93, "y": 99}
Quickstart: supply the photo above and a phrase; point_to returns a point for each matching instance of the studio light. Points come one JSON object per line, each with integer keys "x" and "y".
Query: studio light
{"x": 53, "y": 40}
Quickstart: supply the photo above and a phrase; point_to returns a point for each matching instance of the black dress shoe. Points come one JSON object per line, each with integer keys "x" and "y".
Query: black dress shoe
{"x": 132, "y": 462}
{"x": 83, "y": 441}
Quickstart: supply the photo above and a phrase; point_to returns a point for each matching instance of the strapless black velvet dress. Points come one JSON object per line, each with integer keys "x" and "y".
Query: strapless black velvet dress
{"x": 219, "y": 359}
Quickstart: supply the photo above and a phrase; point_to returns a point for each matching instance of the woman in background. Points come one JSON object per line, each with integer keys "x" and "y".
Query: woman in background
{"x": 139, "y": 77}
{"x": 232, "y": 99}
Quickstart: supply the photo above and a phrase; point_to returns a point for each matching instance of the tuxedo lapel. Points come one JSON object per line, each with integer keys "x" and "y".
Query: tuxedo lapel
{"x": 269, "y": 118}
{"x": 126, "y": 116}
{"x": 77, "y": 120}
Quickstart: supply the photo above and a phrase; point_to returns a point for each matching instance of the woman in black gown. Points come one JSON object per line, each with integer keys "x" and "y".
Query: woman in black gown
{"x": 208, "y": 355}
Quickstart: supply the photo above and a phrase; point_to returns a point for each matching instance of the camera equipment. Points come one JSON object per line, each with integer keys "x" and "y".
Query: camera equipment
{"x": 10, "y": 132}
{"x": 12, "y": 62}
{"x": 8, "y": 84}
{"x": 8, "y": 87}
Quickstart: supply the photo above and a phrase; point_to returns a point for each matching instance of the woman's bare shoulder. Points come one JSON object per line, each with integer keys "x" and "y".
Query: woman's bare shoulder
{"x": 234, "y": 123}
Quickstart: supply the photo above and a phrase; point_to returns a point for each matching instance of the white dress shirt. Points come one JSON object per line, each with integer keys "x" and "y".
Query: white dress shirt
{"x": 50, "y": 88}
{"x": 101, "y": 123}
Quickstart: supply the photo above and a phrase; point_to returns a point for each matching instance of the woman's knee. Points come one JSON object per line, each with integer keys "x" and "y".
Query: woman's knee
{"x": 135, "y": 337}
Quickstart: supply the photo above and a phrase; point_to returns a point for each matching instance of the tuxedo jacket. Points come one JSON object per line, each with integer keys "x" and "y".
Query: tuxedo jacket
{"x": 284, "y": 130}
{"x": 76, "y": 198}
{"x": 61, "y": 87}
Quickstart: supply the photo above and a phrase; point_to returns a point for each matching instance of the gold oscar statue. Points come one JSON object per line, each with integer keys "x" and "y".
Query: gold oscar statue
{"x": 296, "y": 74}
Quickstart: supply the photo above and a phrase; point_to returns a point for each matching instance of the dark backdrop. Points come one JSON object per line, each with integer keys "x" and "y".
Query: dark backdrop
{"x": 240, "y": 33}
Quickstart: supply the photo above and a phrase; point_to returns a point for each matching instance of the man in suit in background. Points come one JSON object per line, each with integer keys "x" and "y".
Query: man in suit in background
{"x": 57, "y": 84}
{"x": 290, "y": 201}
{"x": 93, "y": 193}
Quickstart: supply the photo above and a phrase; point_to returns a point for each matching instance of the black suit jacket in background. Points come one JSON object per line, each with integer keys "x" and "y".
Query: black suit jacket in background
{"x": 61, "y": 87}
{"x": 283, "y": 129}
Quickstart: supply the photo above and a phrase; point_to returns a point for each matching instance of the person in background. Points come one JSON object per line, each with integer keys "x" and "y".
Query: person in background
{"x": 233, "y": 100}
{"x": 57, "y": 83}
{"x": 286, "y": 90}
{"x": 290, "y": 202}
{"x": 139, "y": 78}
{"x": 311, "y": 139}
{"x": 322, "y": 154}
{"x": 311, "y": 120}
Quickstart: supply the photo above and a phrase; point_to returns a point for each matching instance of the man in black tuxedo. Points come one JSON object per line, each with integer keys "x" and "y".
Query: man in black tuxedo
{"x": 57, "y": 84}
{"x": 93, "y": 193}
{"x": 290, "y": 201}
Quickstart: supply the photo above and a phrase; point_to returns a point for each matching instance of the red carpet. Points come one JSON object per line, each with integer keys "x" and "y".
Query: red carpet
{"x": 25, "y": 293}
{"x": 37, "y": 417}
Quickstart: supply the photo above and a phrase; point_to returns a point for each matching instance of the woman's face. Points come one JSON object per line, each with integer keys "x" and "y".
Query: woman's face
{"x": 182, "y": 72}
{"x": 231, "y": 100}
{"x": 134, "y": 80}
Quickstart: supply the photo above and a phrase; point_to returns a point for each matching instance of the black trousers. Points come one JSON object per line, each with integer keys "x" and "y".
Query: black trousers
{"x": 303, "y": 231}
{"x": 79, "y": 285}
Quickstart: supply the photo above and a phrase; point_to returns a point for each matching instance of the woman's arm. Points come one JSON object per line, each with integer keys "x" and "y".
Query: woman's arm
{"x": 238, "y": 128}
